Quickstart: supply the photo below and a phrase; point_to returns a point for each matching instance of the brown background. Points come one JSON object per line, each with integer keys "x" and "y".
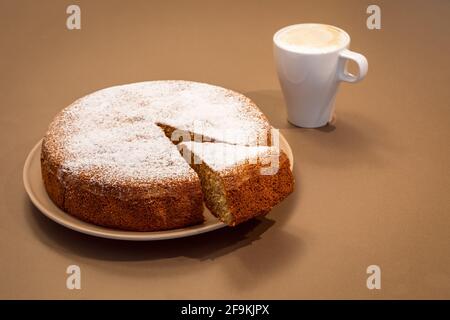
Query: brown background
{"x": 374, "y": 189}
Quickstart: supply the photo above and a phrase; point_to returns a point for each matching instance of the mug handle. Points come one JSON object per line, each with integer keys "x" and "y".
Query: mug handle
{"x": 360, "y": 60}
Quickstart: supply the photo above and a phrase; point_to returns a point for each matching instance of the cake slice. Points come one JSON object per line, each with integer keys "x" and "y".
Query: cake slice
{"x": 239, "y": 182}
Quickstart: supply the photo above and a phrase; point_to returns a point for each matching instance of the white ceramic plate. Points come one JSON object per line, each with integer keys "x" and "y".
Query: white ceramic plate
{"x": 36, "y": 191}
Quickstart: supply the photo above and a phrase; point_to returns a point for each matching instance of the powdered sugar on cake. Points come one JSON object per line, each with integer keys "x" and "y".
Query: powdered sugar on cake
{"x": 114, "y": 131}
{"x": 222, "y": 156}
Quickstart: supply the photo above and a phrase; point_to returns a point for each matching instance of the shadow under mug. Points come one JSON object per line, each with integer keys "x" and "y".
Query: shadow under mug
{"x": 310, "y": 80}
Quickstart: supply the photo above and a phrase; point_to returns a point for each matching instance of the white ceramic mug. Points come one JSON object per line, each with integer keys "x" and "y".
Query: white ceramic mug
{"x": 310, "y": 73}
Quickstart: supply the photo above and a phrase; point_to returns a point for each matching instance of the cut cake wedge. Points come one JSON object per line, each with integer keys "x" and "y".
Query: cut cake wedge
{"x": 239, "y": 182}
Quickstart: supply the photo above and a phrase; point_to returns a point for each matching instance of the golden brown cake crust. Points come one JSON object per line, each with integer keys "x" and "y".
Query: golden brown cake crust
{"x": 250, "y": 193}
{"x": 179, "y": 206}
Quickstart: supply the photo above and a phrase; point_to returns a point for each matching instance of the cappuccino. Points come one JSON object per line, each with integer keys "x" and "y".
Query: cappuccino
{"x": 312, "y": 38}
{"x": 311, "y": 61}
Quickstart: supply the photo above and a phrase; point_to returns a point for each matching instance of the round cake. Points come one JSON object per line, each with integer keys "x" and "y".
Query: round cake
{"x": 109, "y": 158}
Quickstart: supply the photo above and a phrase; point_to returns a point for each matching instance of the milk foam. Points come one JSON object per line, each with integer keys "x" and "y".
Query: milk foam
{"x": 312, "y": 38}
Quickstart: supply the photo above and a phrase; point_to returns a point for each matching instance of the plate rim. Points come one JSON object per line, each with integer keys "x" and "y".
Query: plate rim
{"x": 115, "y": 234}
